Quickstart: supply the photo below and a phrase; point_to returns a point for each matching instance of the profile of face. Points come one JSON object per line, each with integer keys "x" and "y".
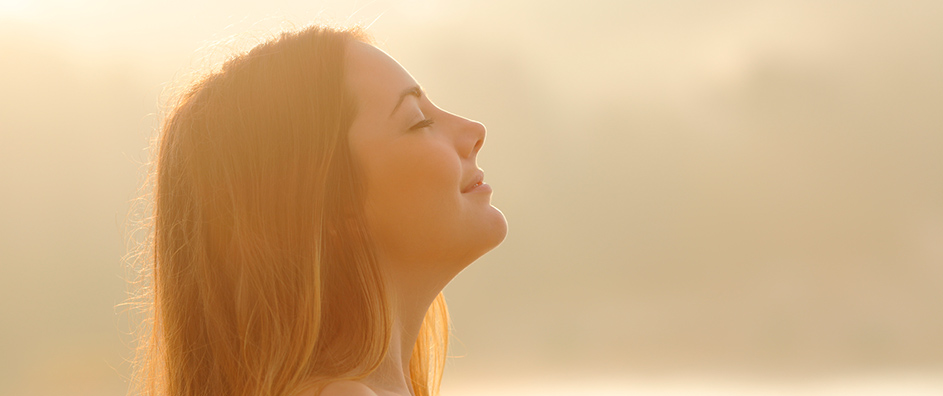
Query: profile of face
{"x": 427, "y": 207}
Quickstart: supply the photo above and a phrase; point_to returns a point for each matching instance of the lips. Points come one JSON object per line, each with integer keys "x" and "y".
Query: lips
{"x": 476, "y": 181}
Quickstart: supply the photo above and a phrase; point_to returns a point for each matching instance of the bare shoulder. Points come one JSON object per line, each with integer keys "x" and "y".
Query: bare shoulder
{"x": 347, "y": 388}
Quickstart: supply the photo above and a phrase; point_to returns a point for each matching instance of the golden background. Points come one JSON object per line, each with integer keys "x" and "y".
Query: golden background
{"x": 728, "y": 196}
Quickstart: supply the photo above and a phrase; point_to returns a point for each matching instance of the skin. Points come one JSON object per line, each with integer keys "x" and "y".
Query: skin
{"x": 426, "y": 228}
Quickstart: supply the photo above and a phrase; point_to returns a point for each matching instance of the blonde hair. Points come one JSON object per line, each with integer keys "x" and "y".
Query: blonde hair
{"x": 260, "y": 278}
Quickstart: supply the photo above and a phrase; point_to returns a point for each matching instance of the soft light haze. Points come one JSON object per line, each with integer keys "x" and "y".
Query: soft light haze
{"x": 727, "y": 197}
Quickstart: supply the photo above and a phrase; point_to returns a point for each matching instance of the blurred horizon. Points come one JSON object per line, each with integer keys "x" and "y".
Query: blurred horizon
{"x": 704, "y": 195}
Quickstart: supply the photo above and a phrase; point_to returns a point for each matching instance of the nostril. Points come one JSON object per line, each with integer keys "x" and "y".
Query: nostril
{"x": 477, "y": 132}
{"x": 474, "y": 138}
{"x": 478, "y": 145}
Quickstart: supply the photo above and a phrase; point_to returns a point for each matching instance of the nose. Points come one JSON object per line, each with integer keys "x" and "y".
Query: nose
{"x": 472, "y": 137}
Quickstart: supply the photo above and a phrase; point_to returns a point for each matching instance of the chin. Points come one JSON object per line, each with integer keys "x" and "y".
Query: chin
{"x": 502, "y": 226}
{"x": 496, "y": 230}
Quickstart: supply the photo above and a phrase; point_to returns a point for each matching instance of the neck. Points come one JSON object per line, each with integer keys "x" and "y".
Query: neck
{"x": 409, "y": 301}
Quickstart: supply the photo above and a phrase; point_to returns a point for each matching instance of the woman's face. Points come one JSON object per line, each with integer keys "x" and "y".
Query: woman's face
{"x": 425, "y": 204}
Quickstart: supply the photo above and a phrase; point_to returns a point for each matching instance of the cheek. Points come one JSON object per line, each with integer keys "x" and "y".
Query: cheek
{"x": 413, "y": 193}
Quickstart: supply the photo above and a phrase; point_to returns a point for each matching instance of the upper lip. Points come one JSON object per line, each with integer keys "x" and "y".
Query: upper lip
{"x": 478, "y": 177}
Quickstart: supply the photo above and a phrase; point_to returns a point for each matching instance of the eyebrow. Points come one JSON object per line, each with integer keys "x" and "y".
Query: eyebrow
{"x": 411, "y": 91}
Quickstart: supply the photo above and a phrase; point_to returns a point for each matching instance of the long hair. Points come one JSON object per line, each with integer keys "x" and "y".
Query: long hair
{"x": 260, "y": 278}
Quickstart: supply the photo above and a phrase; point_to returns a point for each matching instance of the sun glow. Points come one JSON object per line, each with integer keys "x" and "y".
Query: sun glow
{"x": 14, "y": 8}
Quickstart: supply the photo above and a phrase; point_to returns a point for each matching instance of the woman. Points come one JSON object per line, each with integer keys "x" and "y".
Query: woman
{"x": 311, "y": 203}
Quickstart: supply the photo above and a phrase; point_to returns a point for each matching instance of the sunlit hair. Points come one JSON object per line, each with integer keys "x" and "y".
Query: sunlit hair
{"x": 260, "y": 278}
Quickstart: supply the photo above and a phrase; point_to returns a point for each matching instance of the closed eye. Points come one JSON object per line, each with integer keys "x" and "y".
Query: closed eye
{"x": 422, "y": 124}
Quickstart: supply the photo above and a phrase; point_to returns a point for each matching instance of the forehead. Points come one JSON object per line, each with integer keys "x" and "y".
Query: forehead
{"x": 375, "y": 78}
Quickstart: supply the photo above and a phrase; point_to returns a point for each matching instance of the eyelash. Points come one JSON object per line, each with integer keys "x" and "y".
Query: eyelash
{"x": 422, "y": 124}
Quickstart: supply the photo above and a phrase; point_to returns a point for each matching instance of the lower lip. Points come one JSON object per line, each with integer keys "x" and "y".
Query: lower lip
{"x": 483, "y": 187}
